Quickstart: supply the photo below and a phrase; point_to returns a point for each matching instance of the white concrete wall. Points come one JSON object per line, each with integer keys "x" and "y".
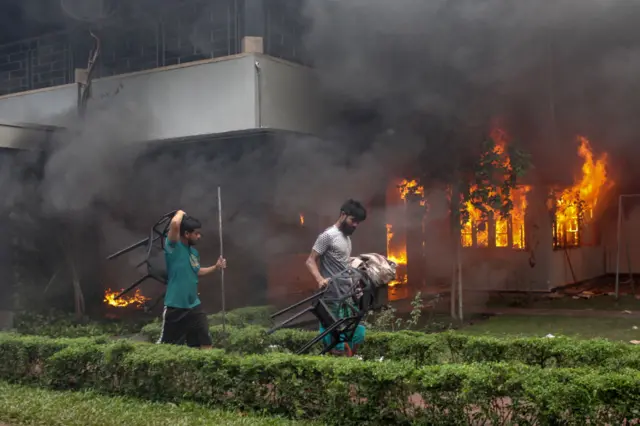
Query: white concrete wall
{"x": 539, "y": 268}
{"x": 629, "y": 239}
{"x": 510, "y": 270}
{"x": 45, "y": 107}
{"x": 498, "y": 269}
{"x": 587, "y": 263}
{"x": 289, "y": 97}
{"x": 199, "y": 98}
{"x": 18, "y": 137}
{"x": 194, "y": 99}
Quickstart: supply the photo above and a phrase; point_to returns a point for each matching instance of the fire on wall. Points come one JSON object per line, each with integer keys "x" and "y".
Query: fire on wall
{"x": 573, "y": 212}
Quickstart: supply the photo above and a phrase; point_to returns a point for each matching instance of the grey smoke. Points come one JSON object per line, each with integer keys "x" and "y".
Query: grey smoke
{"x": 468, "y": 61}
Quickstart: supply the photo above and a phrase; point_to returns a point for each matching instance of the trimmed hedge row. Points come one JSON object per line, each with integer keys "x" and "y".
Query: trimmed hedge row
{"x": 332, "y": 390}
{"x": 59, "y": 324}
{"x": 249, "y": 315}
{"x": 447, "y": 347}
{"x": 21, "y": 356}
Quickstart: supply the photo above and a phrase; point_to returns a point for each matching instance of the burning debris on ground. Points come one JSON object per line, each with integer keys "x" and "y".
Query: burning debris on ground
{"x": 136, "y": 300}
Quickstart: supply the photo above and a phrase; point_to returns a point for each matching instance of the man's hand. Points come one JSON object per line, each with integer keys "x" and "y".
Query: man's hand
{"x": 221, "y": 263}
{"x": 312, "y": 266}
{"x": 323, "y": 282}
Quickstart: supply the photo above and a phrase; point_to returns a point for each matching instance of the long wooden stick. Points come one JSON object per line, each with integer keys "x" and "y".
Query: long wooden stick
{"x": 221, "y": 254}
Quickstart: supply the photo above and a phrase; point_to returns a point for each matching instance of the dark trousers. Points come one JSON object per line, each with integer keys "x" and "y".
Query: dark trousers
{"x": 180, "y": 326}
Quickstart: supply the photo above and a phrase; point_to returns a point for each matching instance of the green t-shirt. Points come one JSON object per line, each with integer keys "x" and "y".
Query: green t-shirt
{"x": 183, "y": 264}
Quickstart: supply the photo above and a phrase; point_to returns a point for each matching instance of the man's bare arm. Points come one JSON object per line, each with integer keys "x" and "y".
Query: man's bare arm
{"x": 206, "y": 271}
{"x": 174, "y": 226}
{"x": 221, "y": 263}
{"x": 312, "y": 266}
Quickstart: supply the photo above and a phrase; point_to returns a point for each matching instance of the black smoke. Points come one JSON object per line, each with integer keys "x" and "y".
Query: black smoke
{"x": 549, "y": 71}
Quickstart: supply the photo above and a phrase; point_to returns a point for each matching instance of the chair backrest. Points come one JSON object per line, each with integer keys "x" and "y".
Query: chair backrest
{"x": 156, "y": 265}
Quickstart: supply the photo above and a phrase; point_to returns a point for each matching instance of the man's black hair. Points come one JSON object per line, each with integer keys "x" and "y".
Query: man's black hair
{"x": 189, "y": 224}
{"x": 354, "y": 208}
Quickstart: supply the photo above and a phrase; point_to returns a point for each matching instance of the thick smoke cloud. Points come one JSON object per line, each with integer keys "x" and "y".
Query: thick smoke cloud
{"x": 549, "y": 71}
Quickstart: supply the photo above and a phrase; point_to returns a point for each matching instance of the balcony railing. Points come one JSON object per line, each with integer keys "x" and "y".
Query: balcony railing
{"x": 191, "y": 31}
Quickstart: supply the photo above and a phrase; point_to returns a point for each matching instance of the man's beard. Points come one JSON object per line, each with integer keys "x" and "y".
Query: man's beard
{"x": 347, "y": 229}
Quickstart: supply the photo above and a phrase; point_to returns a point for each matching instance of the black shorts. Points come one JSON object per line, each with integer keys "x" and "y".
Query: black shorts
{"x": 185, "y": 326}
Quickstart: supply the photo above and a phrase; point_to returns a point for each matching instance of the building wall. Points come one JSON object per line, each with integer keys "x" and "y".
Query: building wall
{"x": 629, "y": 238}
{"x": 196, "y": 99}
{"x": 289, "y": 281}
{"x": 245, "y": 214}
{"x": 135, "y": 40}
{"x": 20, "y": 137}
{"x": 498, "y": 270}
{"x": 576, "y": 265}
{"x": 43, "y": 107}
{"x": 289, "y": 97}
{"x": 538, "y": 268}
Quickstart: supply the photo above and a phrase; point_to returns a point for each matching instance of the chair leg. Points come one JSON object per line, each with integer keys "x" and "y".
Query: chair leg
{"x": 147, "y": 309}
{"x": 320, "y": 337}
{"x": 298, "y": 315}
{"x": 132, "y": 286}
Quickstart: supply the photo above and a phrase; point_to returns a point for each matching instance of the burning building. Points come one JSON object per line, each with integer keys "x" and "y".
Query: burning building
{"x": 247, "y": 96}
{"x": 549, "y": 238}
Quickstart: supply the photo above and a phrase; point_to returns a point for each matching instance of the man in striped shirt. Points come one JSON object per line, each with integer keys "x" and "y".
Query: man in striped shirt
{"x": 329, "y": 256}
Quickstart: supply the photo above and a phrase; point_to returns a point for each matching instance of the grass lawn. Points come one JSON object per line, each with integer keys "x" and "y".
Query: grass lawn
{"x": 599, "y": 303}
{"x": 602, "y": 303}
{"x": 22, "y": 405}
{"x": 539, "y": 326}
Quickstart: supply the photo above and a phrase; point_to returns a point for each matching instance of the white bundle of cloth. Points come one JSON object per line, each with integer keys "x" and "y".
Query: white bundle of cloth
{"x": 378, "y": 268}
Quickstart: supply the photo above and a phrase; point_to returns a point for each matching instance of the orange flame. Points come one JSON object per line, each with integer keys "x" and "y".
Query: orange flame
{"x": 301, "y": 219}
{"x": 518, "y": 197}
{"x": 579, "y": 202}
{"x": 398, "y": 256}
{"x": 407, "y": 187}
{"x": 137, "y": 298}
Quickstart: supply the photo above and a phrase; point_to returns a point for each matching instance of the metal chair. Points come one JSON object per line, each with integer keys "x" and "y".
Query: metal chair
{"x": 154, "y": 259}
{"x": 362, "y": 297}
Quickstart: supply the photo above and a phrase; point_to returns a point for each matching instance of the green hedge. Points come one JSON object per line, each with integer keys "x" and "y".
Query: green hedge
{"x": 447, "y": 347}
{"x": 27, "y": 405}
{"x": 333, "y": 390}
{"x": 250, "y": 315}
{"x": 59, "y": 324}
{"x": 21, "y": 356}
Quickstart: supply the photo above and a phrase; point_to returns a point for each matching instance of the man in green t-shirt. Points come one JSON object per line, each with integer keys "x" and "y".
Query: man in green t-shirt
{"x": 183, "y": 319}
